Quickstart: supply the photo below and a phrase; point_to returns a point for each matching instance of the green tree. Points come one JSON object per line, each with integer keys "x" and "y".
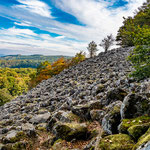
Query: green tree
{"x": 92, "y": 48}
{"x": 126, "y": 33}
{"x": 125, "y": 36}
{"x": 140, "y": 57}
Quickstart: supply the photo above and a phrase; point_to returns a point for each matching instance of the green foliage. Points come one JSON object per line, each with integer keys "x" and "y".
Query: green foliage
{"x": 126, "y": 33}
{"x": 140, "y": 57}
{"x": 92, "y": 48}
{"x": 136, "y": 32}
{"x": 125, "y": 36}
{"x": 47, "y": 70}
{"x": 13, "y": 82}
{"x": 4, "y": 96}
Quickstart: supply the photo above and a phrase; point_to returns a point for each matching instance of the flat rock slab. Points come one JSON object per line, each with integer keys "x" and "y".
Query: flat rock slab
{"x": 42, "y": 118}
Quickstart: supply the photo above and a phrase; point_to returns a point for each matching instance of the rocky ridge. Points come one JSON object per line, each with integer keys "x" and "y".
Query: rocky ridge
{"x": 93, "y": 105}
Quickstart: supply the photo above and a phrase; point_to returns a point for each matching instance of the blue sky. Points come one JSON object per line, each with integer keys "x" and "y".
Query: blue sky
{"x": 59, "y": 27}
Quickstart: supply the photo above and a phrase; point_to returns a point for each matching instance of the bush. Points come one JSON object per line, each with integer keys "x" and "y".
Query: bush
{"x": 4, "y": 96}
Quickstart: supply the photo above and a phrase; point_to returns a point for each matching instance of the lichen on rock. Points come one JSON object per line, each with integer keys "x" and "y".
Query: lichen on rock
{"x": 69, "y": 131}
{"x": 127, "y": 123}
{"x": 136, "y": 131}
{"x": 143, "y": 142}
{"x": 116, "y": 142}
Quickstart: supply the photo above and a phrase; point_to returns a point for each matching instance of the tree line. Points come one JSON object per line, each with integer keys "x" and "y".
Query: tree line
{"x": 26, "y": 61}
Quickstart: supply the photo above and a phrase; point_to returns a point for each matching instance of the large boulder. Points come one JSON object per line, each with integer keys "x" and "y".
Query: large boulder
{"x": 115, "y": 95}
{"x": 127, "y": 123}
{"x": 112, "y": 118}
{"x": 69, "y": 131}
{"x": 134, "y": 106}
{"x": 62, "y": 116}
{"x": 83, "y": 111}
{"x": 13, "y": 136}
{"x": 138, "y": 130}
{"x": 143, "y": 142}
{"x": 116, "y": 142}
{"x": 42, "y": 118}
{"x": 29, "y": 129}
{"x": 66, "y": 116}
{"x": 97, "y": 115}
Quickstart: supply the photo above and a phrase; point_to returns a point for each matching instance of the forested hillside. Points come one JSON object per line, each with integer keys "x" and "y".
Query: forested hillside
{"x": 14, "y": 82}
{"x": 26, "y": 61}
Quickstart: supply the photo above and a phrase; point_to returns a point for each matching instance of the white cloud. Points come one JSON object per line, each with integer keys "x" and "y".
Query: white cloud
{"x": 98, "y": 19}
{"x": 35, "y": 6}
{"x": 24, "y": 23}
{"x": 29, "y": 44}
{"x": 60, "y": 37}
{"x": 15, "y": 32}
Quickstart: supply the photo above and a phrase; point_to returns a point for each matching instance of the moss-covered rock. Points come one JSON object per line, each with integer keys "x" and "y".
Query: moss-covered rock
{"x": 143, "y": 142}
{"x": 19, "y": 146}
{"x": 41, "y": 126}
{"x": 100, "y": 88}
{"x": 69, "y": 131}
{"x": 116, "y": 142}
{"x": 115, "y": 95}
{"x": 66, "y": 116}
{"x": 58, "y": 145}
{"x": 138, "y": 130}
{"x": 126, "y": 123}
{"x": 13, "y": 136}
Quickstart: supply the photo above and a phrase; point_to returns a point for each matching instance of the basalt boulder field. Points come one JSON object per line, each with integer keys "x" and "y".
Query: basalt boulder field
{"x": 91, "y": 106}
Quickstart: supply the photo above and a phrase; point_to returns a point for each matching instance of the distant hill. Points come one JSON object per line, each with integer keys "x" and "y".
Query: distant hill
{"x": 26, "y": 61}
{"x": 2, "y": 55}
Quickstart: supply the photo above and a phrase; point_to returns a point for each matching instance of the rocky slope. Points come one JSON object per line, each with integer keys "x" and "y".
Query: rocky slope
{"x": 93, "y": 105}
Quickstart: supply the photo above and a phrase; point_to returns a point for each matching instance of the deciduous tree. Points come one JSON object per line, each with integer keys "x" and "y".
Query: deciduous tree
{"x": 107, "y": 42}
{"x": 92, "y": 48}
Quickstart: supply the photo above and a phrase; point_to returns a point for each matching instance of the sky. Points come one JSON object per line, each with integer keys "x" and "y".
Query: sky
{"x": 59, "y": 27}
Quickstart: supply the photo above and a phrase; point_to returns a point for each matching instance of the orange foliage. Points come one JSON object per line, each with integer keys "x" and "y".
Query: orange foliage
{"x": 47, "y": 70}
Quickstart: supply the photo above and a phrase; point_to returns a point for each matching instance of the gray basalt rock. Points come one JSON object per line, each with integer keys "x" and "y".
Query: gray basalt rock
{"x": 69, "y": 131}
{"x": 83, "y": 111}
{"x": 97, "y": 115}
{"x": 134, "y": 106}
{"x": 42, "y": 118}
{"x": 145, "y": 146}
{"x": 112, "y": 118}
{"x": 115, "y": 95}
{"x": 30, "y": 129}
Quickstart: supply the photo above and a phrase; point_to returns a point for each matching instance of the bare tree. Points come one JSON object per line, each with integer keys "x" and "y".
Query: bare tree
{"x": 92, "y": 48}
{"x": 107, "y": 42}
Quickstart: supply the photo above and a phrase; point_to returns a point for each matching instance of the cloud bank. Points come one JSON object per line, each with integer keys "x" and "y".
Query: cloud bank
{"x": 37, "y": 30}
